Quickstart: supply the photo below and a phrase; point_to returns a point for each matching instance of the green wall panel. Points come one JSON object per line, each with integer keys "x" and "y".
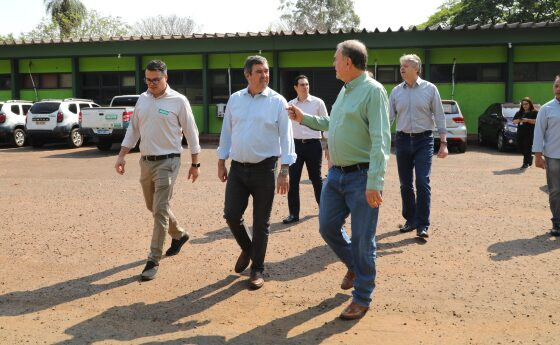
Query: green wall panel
{"x": 42, "y": 94}
{"x": 391, "y": 56}
{"x": 469, "y": 55}
{"x": 536, "y": 53}
{"x": 46, "y": 65}
{"x": 214, "y": 123}
{"x": 176, "y": 61}
{"x": 198, "y": 114}
{"x": 106, "y": 64}
{"x": 323, "y": 58}
{"x": 5, "y": 95}
{"x": 5, "y": 67}
{"x": 538, "y": 92}
{"x": 234, "y": 60}
{"x": 474, "y": 98}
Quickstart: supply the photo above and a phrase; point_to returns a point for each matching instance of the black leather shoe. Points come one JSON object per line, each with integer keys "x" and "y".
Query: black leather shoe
{"x": 407, "y": 228}
{"x": 256, "y": 281}
{"x": 524, "y": 166}
{"x": 290, "y": 219}
{"x": 555, "y": 232}
{"x": 150, "y": 270}
{"x": 422, "y": 232}
{"x": 242, "y": 262}
{"x": 176, "y": 245}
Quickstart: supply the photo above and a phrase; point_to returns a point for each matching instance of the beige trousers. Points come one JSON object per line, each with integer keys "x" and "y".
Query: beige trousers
{"x": 157, "y": 179}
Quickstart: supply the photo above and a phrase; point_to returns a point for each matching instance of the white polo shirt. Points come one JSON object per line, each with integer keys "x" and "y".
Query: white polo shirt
{"x": 160, "y": 122}
{"x": 312, "y": 106}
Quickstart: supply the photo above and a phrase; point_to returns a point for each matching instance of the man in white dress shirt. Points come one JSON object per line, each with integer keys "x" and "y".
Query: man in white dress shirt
{"x": 256, "y": 131}
{"x": 160, "y": 117}
{"x": 308, "y": 147}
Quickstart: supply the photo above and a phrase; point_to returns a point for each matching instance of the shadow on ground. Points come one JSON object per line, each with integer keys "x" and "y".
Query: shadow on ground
{"x": 503, "y": 251}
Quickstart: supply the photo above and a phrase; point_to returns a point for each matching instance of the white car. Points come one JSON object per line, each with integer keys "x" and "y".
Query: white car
{"x": 12, "y": 121}
{"x": 455, "y": 125}
{"x": 55, "y": 120}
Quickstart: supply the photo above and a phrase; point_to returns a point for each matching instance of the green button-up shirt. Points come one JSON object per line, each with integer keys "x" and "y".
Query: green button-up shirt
{"x": 358, "y": 128}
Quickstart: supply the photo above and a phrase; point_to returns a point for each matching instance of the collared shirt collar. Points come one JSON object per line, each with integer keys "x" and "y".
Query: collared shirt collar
{"x": 355, "y": 82}
{"x": 265, "y": 92}
{"x": 418, "y": 82}
{"x": 557, "y": 100}
{"x": 308, "y": 99}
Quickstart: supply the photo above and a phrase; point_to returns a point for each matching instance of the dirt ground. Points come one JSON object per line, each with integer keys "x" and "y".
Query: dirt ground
{"x": 74, "y": 237}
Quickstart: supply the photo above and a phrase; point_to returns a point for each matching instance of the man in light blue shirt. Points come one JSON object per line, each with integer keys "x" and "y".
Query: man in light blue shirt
{"x": 416, "y": 105}
{"x": 256, "y": 131}
{"x": 546, "y": 143}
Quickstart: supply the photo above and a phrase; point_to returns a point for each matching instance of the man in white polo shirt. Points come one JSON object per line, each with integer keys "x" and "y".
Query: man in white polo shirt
{"x": 308, "y": 147}
{"x": 160, "y": 117}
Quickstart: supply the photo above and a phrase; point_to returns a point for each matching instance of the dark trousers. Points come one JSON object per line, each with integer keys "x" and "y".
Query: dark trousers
{"x": 311, "y": 153}
{"x": 525, "y": 142}
{"x": 414, "y": 157}
{"x": 256, "y": 180}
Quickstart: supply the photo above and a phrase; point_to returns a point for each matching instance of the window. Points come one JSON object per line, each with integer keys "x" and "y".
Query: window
{"x": 26, "y": 108}
{"x": 466, "y": 73}
{"x": 47, "y": 81}
{"x": 5, "y": 82}
{"x": 547, "y": 71}
{"x": 219, "y": 84}
{"x": 188, "y": 83}
{"x": 102, "y": 87}
{"x": 322, "y": 84}
{"x": 45, "y": 107}
{"x": 73, "y": 108}
{"x": 15, "y": 109}
{"x": 386, "y": 74}
{"x": 535, "y": 71}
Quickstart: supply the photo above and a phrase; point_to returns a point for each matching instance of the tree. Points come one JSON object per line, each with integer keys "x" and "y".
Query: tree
{"x": 6, "y": 38}
{"x": 468, "y": 12}
{"x": 93, "y": 25}
{"x": 165, "y": 25}
{"x": 322, "y": 15}
{"x": 67, "y": 14}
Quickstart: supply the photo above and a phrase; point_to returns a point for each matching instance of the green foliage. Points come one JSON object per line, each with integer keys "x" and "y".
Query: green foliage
{"x": 165, "y": 25}
{"x": 67, "y": 14}
{"x": 468, "y": 12}
{"x": 6, "y": 38}
{"x": 323, "y": 15}
{"x": 93, "y": 25}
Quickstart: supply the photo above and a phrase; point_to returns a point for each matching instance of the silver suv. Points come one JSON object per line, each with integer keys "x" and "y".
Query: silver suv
{"x": 55, "y": 119}
{"x": 455, "y": 124}
{"x": 12, "y": 121}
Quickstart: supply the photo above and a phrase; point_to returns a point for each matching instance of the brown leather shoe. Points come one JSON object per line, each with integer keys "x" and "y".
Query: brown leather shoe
{"x": 348, "y": 280}
{"x": 353, "y": 311}
{"x": 256, "y": 281}
{"x": 242, "y": 262}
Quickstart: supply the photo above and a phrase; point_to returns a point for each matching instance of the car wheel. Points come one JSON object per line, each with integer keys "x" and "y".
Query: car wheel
{"x": 104, "y": 145}
{"x": 462, "y": 147}
{"x": 480, "y": 139}
{"x": 76, "y": 139}
{"x": 19, "y": 137}
{"x": 500, "y": 142}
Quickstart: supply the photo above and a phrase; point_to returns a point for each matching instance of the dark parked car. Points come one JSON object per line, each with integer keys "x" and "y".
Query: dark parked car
{"x": 496, "y": 127}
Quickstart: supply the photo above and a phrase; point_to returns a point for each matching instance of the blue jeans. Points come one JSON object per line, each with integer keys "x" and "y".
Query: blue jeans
{"x": 414, "y": 155}
{"x": 344, "y": 194}
{"x": 553, "y": 181}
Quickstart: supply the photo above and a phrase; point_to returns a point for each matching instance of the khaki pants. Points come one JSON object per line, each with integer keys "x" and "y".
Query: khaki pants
{"x": 157, "y": 179}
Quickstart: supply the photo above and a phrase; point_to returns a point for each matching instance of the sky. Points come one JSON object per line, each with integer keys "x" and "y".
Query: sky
{"x": 219, "y": 16}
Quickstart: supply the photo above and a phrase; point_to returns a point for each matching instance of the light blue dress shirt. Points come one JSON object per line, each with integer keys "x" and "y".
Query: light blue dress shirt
{"x": 547, "y": 130}
{"x": 257, "y": 127}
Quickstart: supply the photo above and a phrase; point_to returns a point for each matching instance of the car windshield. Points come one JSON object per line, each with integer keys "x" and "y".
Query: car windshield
{"x": 509, "y": 111}
{"x": 44, "y": 107}
{"x": 124, "y": 102}
{"x": 450, "y": 108}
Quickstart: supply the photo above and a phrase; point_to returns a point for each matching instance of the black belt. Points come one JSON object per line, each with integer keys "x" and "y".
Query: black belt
{"x": 350, "y": 168}
{"x": 161, "y": 157}
{"x": 421, "y": 134}
{"x": 263, "y": 162}
{"x": 305, "y": 141}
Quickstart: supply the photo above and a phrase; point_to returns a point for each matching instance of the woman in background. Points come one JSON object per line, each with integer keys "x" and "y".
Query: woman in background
{"x": 525, "y": 119}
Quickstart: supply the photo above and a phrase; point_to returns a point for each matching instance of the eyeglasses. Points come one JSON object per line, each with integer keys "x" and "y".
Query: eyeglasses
{"x": 154, "y": 81}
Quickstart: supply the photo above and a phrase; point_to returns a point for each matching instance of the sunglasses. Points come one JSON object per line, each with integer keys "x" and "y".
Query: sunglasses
{"x": 154, "y": 81}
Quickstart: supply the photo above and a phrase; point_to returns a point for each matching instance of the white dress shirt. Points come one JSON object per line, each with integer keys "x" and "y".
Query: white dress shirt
{"x": 547, "y": 130}
{"x": 312, "y": 106}
{"x": 159, "y": 122}
{"x": 256, "y": 127}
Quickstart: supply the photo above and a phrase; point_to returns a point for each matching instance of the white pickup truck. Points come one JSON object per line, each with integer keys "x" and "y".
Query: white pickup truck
{"x": 107, "y": 125}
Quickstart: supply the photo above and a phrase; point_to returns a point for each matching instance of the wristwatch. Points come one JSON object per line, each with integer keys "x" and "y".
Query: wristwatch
{"x": 284, "y": 171}
{"x": 195, "y": 165}
{"x": 443, "y": 142}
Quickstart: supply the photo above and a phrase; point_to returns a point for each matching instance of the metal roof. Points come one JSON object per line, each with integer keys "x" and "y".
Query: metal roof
{"x": 499, "y": 26}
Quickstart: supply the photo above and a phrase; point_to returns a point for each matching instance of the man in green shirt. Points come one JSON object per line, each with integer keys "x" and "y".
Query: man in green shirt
{"x": 359, "y": 146}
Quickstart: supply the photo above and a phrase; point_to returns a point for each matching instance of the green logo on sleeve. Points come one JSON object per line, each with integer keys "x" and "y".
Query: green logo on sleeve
{"x": 163, "y": 112}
